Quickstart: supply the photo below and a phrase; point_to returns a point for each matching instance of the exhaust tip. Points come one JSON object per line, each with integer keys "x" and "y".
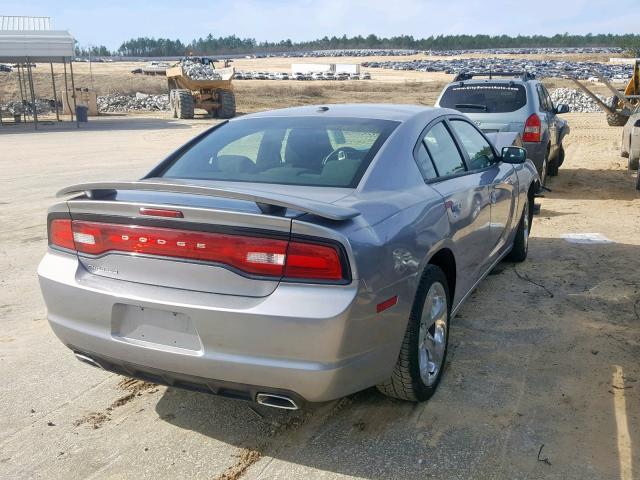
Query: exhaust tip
{"x": 276, "y": 401}
{"x": 88, "y": 360}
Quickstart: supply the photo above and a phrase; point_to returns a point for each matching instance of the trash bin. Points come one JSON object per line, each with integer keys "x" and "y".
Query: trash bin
{"x": 82, "y": 113}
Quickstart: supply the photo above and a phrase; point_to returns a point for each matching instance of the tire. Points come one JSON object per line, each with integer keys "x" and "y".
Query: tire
{"x": 634, "y": 158}
{"x": 407, "y": 382}
{"x": 616, "y": 119}
{"x": 554, "y": 166}
{"x": 544, "y": 169}
{"x": 227, "y": 100}
{"x": 521, "y": 242}
{"x": 184, "y": 104}
{"x": 172, "y": 104}
{"x": 638, "y": 180}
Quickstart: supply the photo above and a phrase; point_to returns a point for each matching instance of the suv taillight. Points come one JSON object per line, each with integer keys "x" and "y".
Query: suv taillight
{"x": 532, "y": 129}
{"x": 271, "y": 257}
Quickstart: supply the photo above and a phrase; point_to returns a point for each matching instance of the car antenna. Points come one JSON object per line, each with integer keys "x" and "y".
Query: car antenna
{"x": 323, "y": 109}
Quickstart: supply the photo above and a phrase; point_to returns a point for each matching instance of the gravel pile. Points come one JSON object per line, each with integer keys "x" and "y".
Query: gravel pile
{"x": 198, "y": 71}
{"x": 117, "y": 102}
{"x": 17, "y": 107}
{"x": 577, "y": 100}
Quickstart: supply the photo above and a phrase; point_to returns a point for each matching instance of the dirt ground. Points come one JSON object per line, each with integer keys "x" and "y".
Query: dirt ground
{"x": 542, "y": 382}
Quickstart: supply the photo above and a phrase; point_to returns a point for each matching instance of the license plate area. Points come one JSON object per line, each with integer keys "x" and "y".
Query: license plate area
{"x": 153, "y": 327}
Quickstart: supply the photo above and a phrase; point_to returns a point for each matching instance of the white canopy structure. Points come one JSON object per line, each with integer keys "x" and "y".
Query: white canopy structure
{"x": 36, "y": 45}
{"x": 26, "y": 40}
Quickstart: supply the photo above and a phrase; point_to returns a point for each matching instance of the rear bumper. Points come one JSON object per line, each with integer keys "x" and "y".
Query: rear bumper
{"x": 317, "y": 342}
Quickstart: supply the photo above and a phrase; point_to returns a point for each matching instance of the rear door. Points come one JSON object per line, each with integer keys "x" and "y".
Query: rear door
{"x": 500, "y": 177}
{"x": 466, "y": 197}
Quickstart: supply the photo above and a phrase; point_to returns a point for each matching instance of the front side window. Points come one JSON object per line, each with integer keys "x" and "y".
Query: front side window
{"x": 442, "y": 149}
{"x": 332, "y": 152}
{"x": 478, "y": 149}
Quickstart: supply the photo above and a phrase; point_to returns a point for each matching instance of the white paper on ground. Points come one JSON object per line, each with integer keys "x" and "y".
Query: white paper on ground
{"x": 588, "y": 238}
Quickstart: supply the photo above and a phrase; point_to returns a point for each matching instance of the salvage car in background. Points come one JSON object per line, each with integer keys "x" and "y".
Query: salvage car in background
{"x": 512, "y": 102}
{"x": 288, "y": 256}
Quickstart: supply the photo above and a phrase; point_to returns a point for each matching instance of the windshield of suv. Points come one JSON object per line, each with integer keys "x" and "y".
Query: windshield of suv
{"x": 331, "y": 152}
{"x": 484, "y": 97}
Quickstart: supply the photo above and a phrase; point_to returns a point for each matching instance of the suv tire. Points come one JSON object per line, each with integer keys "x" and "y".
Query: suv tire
{"x": 521, "y": 242}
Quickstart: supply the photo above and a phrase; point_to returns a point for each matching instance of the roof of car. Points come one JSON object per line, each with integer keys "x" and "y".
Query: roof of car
{"x": 382, "y": 111}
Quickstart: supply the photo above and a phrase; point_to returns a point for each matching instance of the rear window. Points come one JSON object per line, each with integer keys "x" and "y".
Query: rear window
{"x": 485, "y": 97}
{"x": 330, "y": 152}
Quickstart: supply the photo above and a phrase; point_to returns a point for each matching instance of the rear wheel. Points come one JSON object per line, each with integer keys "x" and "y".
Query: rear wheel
{"x": 184, "y": 104}
{"x": 544, "y": 167}
{"x": 616, "y": 119}
{"x": 638, "y": 180}
{"x": 227, "y": 101}
{"x": 423, "y": 352}
{"x": 521, "y": 242}
{"x": 554, "y": 166}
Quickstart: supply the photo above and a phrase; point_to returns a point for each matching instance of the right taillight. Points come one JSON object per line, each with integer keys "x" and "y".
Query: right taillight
{"x": 310, "y": 260}
{"x": 261, "y": 256}
{"x": 532, "y": 129}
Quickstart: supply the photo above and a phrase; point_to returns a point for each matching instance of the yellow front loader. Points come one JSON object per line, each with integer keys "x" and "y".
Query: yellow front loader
{"x": 623, "y": 104}
{"x": 214, "y": 96}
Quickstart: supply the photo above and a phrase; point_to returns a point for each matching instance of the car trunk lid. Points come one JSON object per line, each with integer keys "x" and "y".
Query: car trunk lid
{"x": 230, "y": 242}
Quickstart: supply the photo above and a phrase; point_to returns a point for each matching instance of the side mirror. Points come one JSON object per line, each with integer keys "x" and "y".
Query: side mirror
{"x": 562, "y": 108}
{"x": 514, "y": 155}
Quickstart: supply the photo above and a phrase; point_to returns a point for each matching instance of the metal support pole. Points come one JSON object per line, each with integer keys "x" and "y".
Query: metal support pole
{"x": 73, "y": 86}
{"x": 20, "y": 77}
{"x": 66, "y": 87}
{"x": 34, "y": 109}
{"x": 55, "y": 95}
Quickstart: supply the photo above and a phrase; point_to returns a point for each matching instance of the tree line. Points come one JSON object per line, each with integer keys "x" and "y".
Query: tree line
{"x": 210, "y": 45}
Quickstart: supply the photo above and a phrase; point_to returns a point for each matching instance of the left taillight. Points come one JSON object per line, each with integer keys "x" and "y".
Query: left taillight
{"x": 272, "y": 257}
{"x": 61, "y": 234}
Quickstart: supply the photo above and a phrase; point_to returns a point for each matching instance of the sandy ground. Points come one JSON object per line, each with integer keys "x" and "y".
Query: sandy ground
{"x": 543, "y": 355}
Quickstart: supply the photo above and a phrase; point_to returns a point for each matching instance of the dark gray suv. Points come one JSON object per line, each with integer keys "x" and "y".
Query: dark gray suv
{"x": 512, "y": 102}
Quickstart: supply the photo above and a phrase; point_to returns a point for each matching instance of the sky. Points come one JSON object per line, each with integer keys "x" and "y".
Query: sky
{"x": 110, "y": 22}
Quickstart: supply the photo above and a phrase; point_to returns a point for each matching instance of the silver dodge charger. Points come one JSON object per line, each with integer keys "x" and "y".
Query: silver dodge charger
{"x": 288, "y": 256}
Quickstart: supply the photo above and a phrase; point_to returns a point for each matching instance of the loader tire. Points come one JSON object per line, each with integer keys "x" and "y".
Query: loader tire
{"x": 172, "y": 104}
{"x": 184, "y": 104}
{"x": 616, "y": 119}
{"x": 227, "y": 100}
{"x": 634, "y": 158}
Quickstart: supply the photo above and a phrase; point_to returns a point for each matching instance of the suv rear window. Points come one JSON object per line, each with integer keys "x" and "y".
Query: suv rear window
{"x": 484, "y": 97}
{"x": 330, "y": 152}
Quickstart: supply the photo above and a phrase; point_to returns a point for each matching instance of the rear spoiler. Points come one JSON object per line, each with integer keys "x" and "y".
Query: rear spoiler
{"x": 265, "y": 201}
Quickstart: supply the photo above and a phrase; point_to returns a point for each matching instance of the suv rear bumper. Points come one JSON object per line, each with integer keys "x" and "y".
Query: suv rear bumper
{"x": 315, "y": 342}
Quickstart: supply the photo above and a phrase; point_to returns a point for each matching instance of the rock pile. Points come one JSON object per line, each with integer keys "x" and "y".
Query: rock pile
{"x": 577, "y": 100}
{"x": 198, "y": 71}
{"x": 117, "y": 102}
{"x": 17, "y": 107}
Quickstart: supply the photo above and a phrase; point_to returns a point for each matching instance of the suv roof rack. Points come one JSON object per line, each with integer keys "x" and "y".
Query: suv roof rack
{"x": 524, "y": 76}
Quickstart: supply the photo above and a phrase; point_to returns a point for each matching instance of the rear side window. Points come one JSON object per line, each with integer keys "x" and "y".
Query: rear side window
{"x": 484, "y": 97}
{"x": 443, "y": 151}
{"x": 479, "y": 151}
{"x": 313, "y": 151}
